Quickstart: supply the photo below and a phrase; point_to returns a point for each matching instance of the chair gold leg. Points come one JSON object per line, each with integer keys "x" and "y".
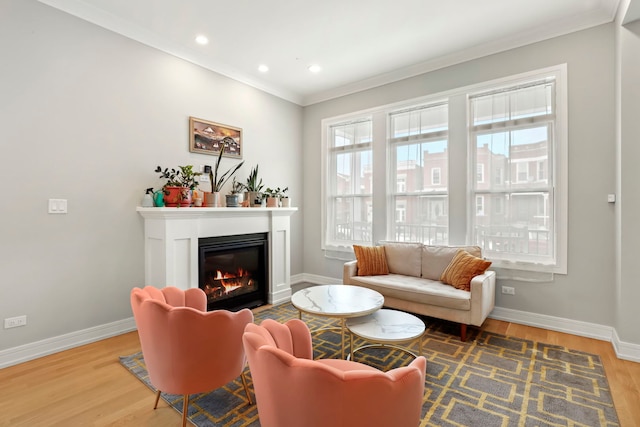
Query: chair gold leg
{"x": 246, "y": 388}
{"x": 185, "y": 408}
{"x": 157, "y": 399}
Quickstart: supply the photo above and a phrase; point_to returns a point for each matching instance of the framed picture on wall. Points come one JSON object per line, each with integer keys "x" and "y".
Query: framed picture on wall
{"x": 207, "y": 137}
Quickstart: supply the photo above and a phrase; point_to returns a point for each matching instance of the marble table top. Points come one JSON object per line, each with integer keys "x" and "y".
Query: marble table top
{"x": 387, "y": 326}
{"x": 337, "y": 300}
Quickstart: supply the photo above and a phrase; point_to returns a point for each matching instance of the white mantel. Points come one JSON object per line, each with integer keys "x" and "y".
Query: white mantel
{"x": 171, "y": 243}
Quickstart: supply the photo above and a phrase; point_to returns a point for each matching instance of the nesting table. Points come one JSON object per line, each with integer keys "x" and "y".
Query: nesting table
{"x": 386, "y": 329}
{"x": 339, "y": 301}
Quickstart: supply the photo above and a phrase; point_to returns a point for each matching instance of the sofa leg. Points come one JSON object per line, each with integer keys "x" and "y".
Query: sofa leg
{"x": 463, "y": 332}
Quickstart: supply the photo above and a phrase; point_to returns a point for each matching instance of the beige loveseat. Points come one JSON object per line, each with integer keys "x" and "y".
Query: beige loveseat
{"x": 413, "y": 284}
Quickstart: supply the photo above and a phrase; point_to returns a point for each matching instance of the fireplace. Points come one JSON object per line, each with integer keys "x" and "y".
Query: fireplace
{"x": 172, "y": 235}
{"x": 233, "y": 270}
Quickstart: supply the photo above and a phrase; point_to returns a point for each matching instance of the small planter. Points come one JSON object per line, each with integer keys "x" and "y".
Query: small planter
{"x": 285, "y": 202}
{"x": 272, "y": 202}
{"x": 254, "y": 197}
{"x": 212, "y": 200}
{"x": 177, "y": 196}
{"x": 232, "y": 200}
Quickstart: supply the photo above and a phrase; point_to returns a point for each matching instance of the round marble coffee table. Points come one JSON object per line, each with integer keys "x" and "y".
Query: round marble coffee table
{"x": 339, "y": 301}
{"x": 386, "y": 328}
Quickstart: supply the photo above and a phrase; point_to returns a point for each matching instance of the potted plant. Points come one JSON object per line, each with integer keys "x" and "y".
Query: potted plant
{"x": 234, "y": 194}
{"x": 273, "y": 196}
{"x": 285, "y": 202}
{"x": 180, "y": 183}
{"x": 253, "y": 187}
{"x": 217, "y": 182}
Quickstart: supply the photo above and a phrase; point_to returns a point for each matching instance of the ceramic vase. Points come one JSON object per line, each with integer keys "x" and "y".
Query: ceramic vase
{"x": 212, "y": 200}
{"x": 272, "y": 202}
{"x": 177, "y": 196}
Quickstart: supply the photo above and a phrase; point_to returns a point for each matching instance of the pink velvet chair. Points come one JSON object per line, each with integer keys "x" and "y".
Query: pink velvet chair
{"x": 188, "y": 350}
{"x": 292, "y": 390}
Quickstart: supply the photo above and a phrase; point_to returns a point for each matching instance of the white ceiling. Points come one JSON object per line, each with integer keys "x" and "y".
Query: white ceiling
{"x": 358, "y": 43}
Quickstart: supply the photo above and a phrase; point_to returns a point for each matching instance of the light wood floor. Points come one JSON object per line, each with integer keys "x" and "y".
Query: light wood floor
{"x": 87, "y": 386}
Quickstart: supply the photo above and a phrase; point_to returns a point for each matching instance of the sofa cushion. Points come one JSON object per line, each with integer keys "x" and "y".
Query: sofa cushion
{"x": 371, "y": 260}
{"x": 415, "y": 289}
{"x": 462, "y": 269}
{"x": 435, "y": 259}
{"x": 403, "y": 258}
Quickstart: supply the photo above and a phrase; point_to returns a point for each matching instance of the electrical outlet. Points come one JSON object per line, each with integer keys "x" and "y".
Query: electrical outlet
{"x": 508, "y": 290}
{"x": 14, "y": 322}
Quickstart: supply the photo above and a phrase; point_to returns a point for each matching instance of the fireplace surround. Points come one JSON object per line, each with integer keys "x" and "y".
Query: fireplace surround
{"x": 171, "y": 237}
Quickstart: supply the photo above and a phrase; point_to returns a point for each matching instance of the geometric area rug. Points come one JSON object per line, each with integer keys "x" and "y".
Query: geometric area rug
{"x": 490, "y": 380}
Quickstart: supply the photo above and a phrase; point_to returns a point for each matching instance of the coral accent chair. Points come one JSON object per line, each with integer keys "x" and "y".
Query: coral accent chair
{"x": 188, "y": 350}
{"x": 293, "y": 390}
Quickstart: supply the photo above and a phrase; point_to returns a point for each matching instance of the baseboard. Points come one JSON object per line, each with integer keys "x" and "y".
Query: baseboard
{"x": 626, "y": 351}
{"x": 24, "y": 353}
{"x": 315, "y": 279}
{"x": 575, "y": 327}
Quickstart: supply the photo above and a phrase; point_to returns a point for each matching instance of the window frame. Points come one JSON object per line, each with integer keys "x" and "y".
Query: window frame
{"x": 460, "y": 198}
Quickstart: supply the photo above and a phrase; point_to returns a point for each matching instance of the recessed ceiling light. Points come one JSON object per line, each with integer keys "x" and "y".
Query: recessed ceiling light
{"x": 263, "y": 68}
{"x": 315, "y": 68}
{"x": 201, "y": 39}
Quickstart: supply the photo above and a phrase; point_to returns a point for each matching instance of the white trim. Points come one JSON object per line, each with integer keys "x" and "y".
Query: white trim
{"x": 623, "y": 350}
{"x": 34, "y": 350}
{"x": 316, "y": 279}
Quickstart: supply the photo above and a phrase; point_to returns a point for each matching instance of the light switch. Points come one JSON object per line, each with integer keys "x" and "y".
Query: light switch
{"x": 58, "y": 206}
{"x": 611, "y": 198}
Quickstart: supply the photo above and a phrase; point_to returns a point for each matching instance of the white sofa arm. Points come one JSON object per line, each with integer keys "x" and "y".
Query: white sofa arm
{"x": 483, "y": 296}
{"x": 349, "y": 270}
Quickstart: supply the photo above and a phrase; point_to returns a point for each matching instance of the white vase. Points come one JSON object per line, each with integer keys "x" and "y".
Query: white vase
{"x": 285, "y": 202}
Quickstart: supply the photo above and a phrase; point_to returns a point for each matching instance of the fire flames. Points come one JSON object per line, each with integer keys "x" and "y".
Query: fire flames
{"x": 230, "y": 282}
{"x": 222, "y": 284}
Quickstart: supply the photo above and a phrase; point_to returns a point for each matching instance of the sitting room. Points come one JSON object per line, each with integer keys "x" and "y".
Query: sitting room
{"x": 463, "y": 168}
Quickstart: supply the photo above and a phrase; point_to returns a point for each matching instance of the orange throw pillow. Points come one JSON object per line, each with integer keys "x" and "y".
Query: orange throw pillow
{"x": 462, "y": 268}
{"x": 372, "y": 260}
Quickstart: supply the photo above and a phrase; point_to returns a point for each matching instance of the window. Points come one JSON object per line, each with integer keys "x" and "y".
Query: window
{"x": 483, "y": 165}
{"x": 418, "y": 146}
{"x": 435, "y": 176}
{"x": 401, "y": 183}
{"x": 514, "y": 128}
{"x": 348, "y": 187}
{"x": 480, "y": 173}
{"x": 479, "y": 205}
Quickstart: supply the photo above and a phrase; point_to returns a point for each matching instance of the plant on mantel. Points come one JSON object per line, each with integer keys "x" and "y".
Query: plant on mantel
{"x": 180, "y": 183}
{"x": 253, "y": 187}
{"x": 274, "y": 195}
{"x": 218, "y": 183}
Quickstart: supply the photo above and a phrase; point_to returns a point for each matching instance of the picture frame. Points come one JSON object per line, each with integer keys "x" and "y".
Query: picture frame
{"x": 205, "y": 138}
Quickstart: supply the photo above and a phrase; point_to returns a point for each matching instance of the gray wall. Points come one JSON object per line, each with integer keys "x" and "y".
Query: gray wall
{"x": 86, "y": 115}
{"x": 628, "y": 289}
{"x": 587, "y": 292}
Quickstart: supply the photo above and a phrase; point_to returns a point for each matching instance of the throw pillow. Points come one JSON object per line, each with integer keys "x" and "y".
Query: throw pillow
{"x": 462, "y": 268}
{"x": 372, "y": 260}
